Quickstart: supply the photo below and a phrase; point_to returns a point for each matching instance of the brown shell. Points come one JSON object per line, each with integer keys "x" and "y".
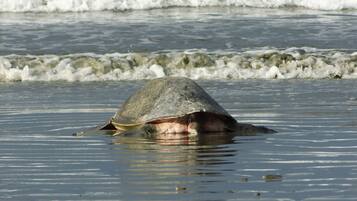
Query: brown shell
{"x": 163, "y": 98}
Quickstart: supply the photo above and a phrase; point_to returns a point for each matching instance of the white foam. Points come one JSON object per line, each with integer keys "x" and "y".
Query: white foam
{"x": 99, "y": 5}
{"x": 195, "y": 64}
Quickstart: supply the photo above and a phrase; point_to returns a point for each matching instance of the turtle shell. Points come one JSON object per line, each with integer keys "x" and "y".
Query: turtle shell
{"x": 165, "y": 98}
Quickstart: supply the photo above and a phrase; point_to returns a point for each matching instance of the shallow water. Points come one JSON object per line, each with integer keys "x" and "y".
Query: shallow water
{"x": 211, "y": 28}
{"x": 314, "y": 150}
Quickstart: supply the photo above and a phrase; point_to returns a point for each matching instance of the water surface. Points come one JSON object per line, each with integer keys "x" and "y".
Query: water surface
{"x": 314, "y": 151}
{"x": 212, "y": 28}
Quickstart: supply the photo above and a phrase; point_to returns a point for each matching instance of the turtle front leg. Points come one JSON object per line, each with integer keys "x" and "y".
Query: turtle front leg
{"x": 249, "y": 129}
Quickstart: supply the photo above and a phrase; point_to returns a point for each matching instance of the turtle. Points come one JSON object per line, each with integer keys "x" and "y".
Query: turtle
{"x": 174, "y": 105}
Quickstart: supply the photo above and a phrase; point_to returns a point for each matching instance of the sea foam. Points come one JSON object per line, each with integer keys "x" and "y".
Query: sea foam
{"x": 195, "y": 64}
{"x": 121, "y": 5}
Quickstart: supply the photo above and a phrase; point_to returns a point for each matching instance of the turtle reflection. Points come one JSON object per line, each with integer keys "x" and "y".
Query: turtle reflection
{"x": 176, "y": 165}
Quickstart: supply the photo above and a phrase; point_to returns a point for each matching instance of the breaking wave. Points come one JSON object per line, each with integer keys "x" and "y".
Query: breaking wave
{"x": 121, "y": 5}
{"x": 196, "y": 64}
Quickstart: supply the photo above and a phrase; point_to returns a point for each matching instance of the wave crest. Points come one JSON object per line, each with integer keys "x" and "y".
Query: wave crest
{"x": 121, "y": 5}
{"x": 264, "y": 64}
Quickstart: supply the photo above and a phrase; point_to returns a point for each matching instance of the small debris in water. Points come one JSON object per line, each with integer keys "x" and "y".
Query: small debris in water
{"x": 180, "y": 188}
{"x": 258, "y": 194}
{"x": 272, "y": 177}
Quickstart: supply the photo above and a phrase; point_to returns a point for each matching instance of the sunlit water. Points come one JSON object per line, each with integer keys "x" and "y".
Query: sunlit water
{"x": 314, "y": 152}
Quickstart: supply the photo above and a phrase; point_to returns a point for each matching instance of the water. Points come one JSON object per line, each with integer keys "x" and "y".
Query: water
{"x": 218, "y": 28}
{"x": 226, "y": 43}
{"x": 314, "y": 150}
